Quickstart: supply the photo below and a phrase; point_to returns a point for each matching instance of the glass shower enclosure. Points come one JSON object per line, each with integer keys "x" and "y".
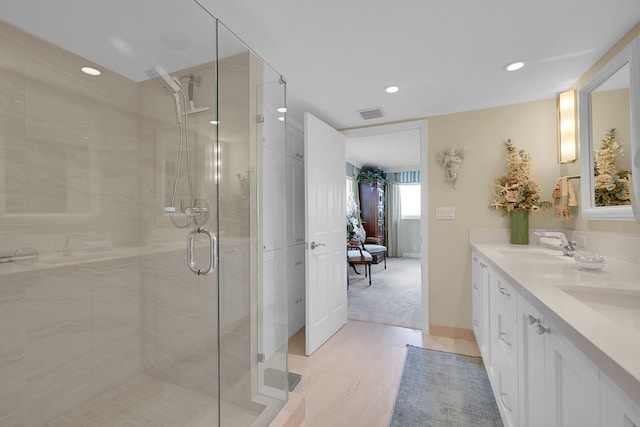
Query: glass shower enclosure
{"x": 130, "y": 222}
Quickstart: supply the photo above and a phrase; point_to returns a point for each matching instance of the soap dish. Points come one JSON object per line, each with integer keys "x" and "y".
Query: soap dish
{"x": 589, "y": 261}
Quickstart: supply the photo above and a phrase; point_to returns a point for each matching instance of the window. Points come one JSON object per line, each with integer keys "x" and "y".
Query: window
{"x": 410, "y": 200}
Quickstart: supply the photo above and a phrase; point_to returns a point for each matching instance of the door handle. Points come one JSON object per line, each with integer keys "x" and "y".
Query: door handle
{"x": 315, "y": 245}
{"x": 191, "y": 251}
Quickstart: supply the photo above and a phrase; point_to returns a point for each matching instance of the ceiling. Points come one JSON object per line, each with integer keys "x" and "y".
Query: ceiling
{"x": 338, "y": 56}
{"x": 446, "y": 56}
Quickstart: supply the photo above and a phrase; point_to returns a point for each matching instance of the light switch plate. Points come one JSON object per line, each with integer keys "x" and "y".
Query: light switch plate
{"x": 446, "y": 213}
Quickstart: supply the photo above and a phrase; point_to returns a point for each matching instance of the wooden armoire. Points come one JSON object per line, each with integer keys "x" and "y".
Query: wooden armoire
{"x": 372, "y": 209}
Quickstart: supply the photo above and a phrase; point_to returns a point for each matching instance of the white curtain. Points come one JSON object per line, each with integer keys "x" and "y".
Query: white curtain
{"x": 352, "y": 187}
{"x": 394, "y": 219}
{"x": 394, "y": 210}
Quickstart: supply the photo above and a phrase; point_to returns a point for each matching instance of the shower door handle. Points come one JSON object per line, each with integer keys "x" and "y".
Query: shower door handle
{"x": 191, "y": 251}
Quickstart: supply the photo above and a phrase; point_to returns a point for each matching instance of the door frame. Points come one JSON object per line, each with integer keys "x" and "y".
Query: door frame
{"x": 422, "y": 127}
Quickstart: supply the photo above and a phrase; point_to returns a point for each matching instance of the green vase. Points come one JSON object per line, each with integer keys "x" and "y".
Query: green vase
{"x": 520, "y": 227}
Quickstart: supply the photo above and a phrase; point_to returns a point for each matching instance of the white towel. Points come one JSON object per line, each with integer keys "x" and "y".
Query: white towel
{"x": 565, "y": 197}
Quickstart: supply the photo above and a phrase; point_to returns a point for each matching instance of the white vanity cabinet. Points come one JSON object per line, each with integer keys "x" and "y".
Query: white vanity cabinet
{"x": 481, "y": 277}
{"x": 616, "y": 408}
{"x": 571, "y": 383}
{"x": 539, "y": 378}
{"x": 531, "y": 360}
{"x": 558, "y": 384}
{"x": 477, "y": 303}
{"x": 504, "y": 346}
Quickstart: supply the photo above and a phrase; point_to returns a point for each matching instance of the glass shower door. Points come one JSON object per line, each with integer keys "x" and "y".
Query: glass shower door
{"x": 252, "y": 311}
{"x": 138, "y": 185}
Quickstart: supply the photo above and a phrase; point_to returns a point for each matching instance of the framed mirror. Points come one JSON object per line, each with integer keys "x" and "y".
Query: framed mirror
{"x": 608, "y": 106}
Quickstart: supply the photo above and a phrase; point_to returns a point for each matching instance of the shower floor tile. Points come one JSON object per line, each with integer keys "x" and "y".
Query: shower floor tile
{"x": 147, "y": 401}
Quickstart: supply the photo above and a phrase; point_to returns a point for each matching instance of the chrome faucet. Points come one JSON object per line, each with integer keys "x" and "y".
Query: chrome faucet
{"x": 568, "y": 247}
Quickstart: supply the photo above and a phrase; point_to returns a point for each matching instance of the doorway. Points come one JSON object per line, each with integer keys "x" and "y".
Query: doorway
{"x": 377, "y": 139}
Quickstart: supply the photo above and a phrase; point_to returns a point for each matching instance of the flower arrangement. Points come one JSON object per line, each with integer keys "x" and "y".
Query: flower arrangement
{"x": 611, "y": 185}
{"x": 355, "y": 229}
{"x": 516, "y": 190}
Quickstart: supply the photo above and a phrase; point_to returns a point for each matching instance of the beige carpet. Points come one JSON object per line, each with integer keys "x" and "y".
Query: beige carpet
{"x": 393, "y": 297}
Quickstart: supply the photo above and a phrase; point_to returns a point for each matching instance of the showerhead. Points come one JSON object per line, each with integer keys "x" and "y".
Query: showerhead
{"x": 168, "y": 83}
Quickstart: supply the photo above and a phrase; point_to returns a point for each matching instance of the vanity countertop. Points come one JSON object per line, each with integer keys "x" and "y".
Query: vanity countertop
{"x": 606, "y": 328}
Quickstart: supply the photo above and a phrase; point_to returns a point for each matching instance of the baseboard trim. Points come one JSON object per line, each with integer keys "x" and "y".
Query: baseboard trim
{"x": 451, "y": 332}
{"x": 411, "y": 255}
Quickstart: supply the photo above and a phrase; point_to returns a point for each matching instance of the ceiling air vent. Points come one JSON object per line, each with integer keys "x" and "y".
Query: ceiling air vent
{"x": 371, "y": 113}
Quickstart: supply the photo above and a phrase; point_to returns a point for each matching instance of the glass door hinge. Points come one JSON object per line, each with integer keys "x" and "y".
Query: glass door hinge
{"x": 261, "y": 358}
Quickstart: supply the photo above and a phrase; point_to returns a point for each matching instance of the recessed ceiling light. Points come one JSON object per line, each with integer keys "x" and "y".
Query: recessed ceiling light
{"x": 282, "y": 110}
{"x": 91, "y": 71}
{"x": 514, "y": 66}
{"x": 281, "y": 118}
{"x": 392, "y": 89}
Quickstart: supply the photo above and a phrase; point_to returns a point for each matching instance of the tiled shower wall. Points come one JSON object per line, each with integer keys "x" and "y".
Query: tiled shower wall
{"x": 82, "y": 164}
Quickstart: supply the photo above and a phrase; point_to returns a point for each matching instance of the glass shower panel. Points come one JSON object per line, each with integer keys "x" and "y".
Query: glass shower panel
{"x": 111, "y": 178}
{"x": 131, "y": 186}
{"x": 252, "y": 372}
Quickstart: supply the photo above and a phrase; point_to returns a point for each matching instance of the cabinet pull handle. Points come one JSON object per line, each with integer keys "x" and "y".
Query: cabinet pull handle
{"x": 504, "y": 292}
{"x": 502, "y": 399}
{"x": 475, "y": 286}
{"x": 543, "y": 329}
{"x": 475, "y": 258}
{"x": 533, "y": 320}
{"x": 475, "y": 322}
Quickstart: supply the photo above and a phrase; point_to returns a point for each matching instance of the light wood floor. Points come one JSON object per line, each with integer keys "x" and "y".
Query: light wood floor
{"x": 353, "y": 378}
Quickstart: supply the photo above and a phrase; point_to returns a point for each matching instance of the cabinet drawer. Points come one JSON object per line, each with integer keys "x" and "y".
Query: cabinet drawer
{"x": 505, "y": 297}
{"x": 295, "y": 264}
{"x": 506, "y": 397}
{"x": 296, "y": 304}
{"x": 506, "y": 343}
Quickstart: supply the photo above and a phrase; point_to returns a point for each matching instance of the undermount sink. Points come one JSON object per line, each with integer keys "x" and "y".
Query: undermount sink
{"x": 536, "y": 254}
{"x": 621, "y": 306}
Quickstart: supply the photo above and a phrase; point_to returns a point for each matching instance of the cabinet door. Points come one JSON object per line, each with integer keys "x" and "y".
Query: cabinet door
{"x": 487, "y": 276}
{"x": 476, "y": 298}
{"x": 273, "y": 199}
{"x": 506, "y": 394}
{"x": 295, "y": 143}
{"x": 272, "y": 308}
{"x": 616, "y": 408}
{"x": 530, "y": 366}
{"x": 571, "y": 384}
{"x": 295, "y": 202}
{"x": 234, "y": 300}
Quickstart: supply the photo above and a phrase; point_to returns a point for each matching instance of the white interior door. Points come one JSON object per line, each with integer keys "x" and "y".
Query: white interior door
{"x": 325, "y": 232}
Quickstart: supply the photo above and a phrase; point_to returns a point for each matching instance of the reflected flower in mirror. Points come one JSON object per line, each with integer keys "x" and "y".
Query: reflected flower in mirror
{"x": 611, "y": 184}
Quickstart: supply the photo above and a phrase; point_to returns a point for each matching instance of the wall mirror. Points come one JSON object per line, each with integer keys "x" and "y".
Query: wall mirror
{"x": 608, "y": 138}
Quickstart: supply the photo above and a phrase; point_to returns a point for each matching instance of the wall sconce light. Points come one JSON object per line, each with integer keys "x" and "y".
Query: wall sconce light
{"x": 567, "y": 127}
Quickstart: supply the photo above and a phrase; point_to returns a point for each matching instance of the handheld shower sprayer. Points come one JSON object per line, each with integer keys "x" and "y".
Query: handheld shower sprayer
{"x": 171, "y": 84}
